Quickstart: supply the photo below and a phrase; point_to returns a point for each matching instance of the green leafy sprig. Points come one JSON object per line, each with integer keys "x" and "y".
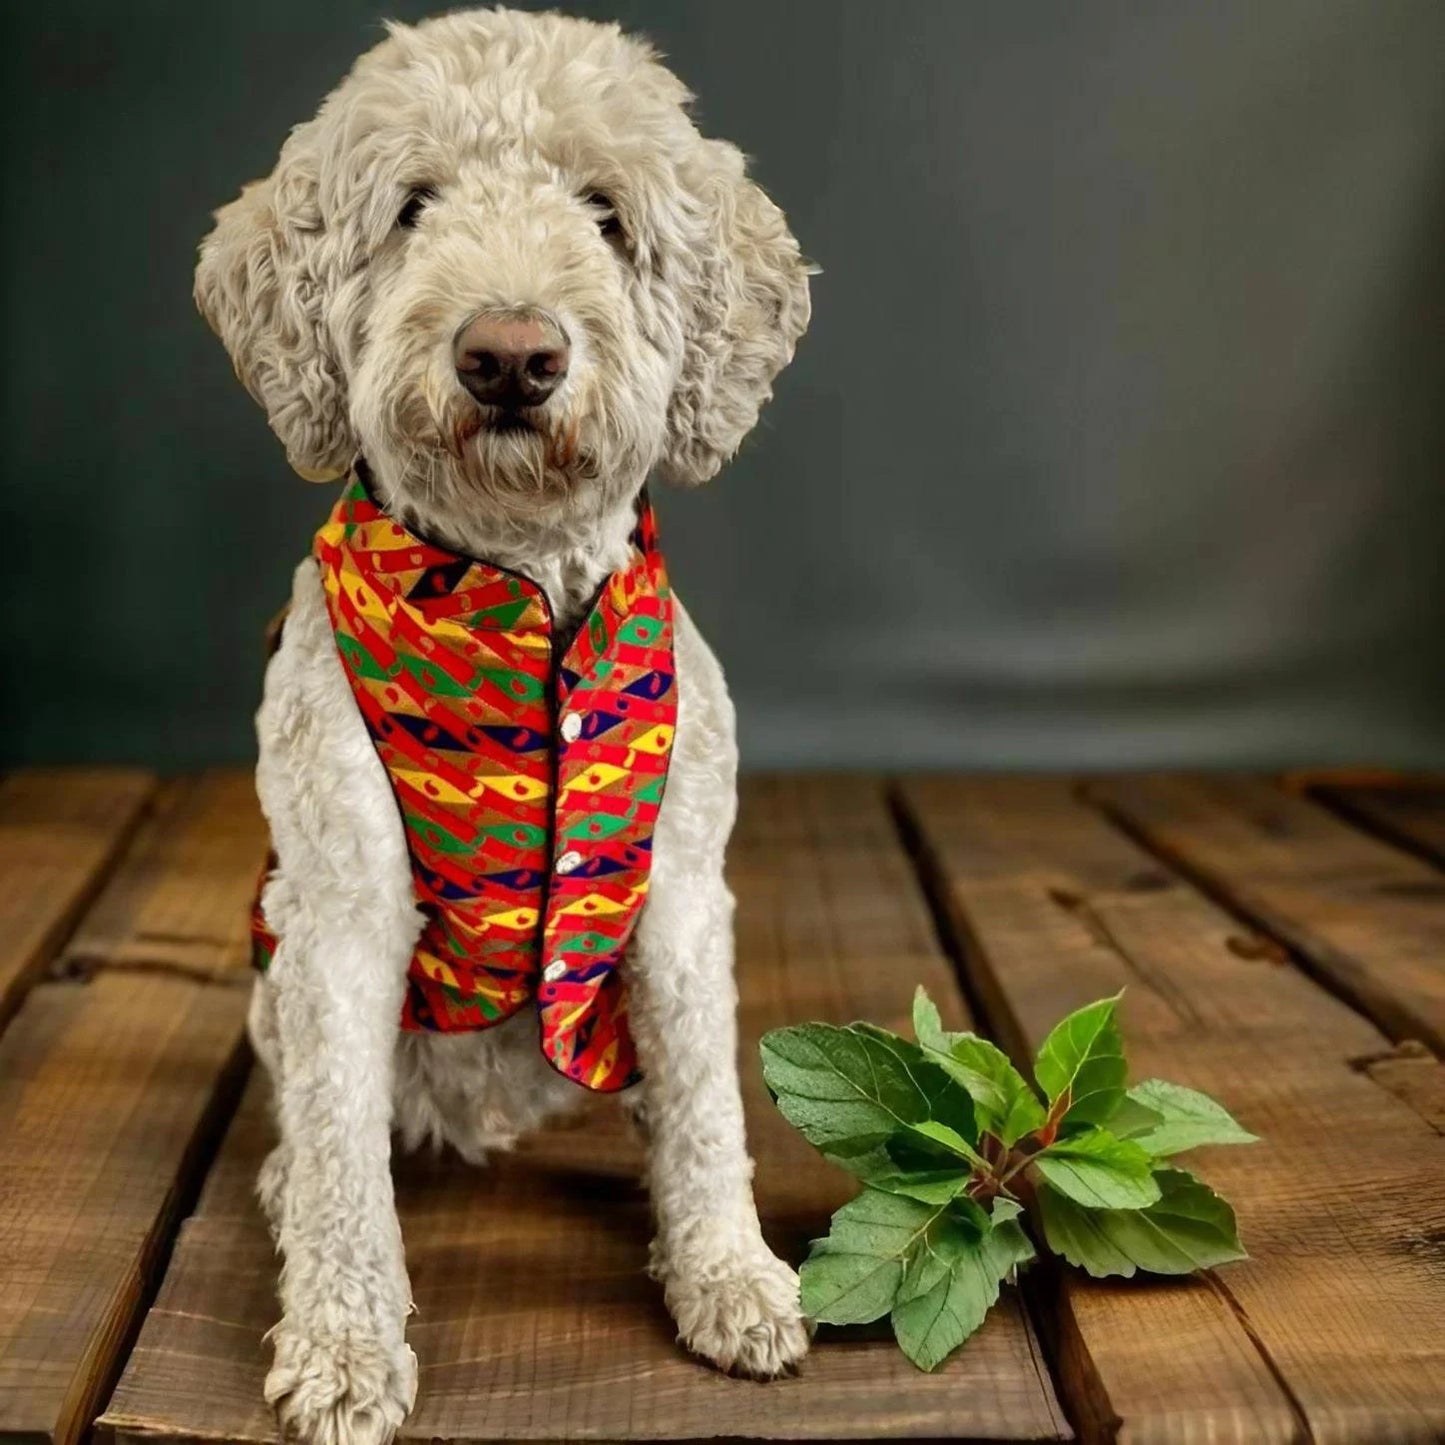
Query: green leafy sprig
{"x": 952, "y": 1144}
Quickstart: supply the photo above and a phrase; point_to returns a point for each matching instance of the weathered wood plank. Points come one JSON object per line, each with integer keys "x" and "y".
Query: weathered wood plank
{"x": 1414, "y": 1075}
{"x": 60, "y": 831}
{"x": 534, "y": 1319}
{"x": 1335, "y": 1329}
{"x": 1409, "y": 812}
{"x": 111, "y": 1092}
{"x": 108, "y": 1091}
{"x": 1362, "y": 915}
{"x": 183, "y": 899}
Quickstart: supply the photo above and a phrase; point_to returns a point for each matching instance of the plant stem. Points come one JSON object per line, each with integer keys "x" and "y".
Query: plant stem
{"x": 1020, "y": 1161}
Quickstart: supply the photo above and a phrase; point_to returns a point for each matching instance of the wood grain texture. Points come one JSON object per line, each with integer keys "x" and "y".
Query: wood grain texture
{"x": 107, "y": 1092}
{"x": 1334, "y": 1330}
{"x": 1409, "y": 812}
{"x": 183, "y": 900}
{"x": 1366, "y": 917}
{"x": 535, "y": 1321}
{"x": 1414, "y": 1075}
{"x": 60, "y": 832}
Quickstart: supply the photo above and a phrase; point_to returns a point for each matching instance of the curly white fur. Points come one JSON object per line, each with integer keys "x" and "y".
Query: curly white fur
{"x": 515, "y": 133}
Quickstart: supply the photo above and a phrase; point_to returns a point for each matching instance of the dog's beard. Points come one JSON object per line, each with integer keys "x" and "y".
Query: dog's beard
{"x": 523, "y": 454}
{"x": 455, "y": 453}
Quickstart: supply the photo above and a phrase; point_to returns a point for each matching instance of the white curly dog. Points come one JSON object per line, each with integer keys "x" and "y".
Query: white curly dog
{"x": 534, "y": 166}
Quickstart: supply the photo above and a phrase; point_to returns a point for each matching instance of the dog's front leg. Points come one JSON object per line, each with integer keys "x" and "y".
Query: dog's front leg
{"x": 341, "y": 905}
{"x": 734, "y": 1301}
{"x": 342, "y": 1373}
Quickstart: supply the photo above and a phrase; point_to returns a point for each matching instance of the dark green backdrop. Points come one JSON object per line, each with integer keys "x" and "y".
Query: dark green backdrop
{"x": 1118, "y": 438}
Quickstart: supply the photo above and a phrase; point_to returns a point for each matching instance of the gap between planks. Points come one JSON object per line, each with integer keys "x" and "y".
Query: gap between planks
{"x": 182, "y": 903}
{"x": 1363, "y": 918}
{"x": 1336, "y": 1330}
{"x": 114, "y": 1089}
{"x": 62, "y": 831}
{"x": 1405, "y": 810}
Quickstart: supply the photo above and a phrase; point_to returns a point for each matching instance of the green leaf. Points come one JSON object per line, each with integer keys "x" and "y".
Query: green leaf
{"x": 849, "y": 1090}
{"x": 1183, "y": 1119}
{"x": 948, "y": 1103}
{"x": 1004, "y": 1104}
{"x": 853, "y": 1276}
{"x": 927, "y": 1161}
{"x": 1189, "y": 1228}
{"x": 1081, "y": 1063}
{"x": 927, "y": 1022}
{"x": 1131, "y": 1118}
{"x": 929, "y": 1261}
{"x": 932, "y": 1186}
{"x": 950, "y": 1140}
{"x": 1099, "y": 1171}
{"x": 953, "y": 1281}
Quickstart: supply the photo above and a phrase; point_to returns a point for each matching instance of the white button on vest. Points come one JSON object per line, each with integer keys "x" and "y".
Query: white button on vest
{"x": 571, "y": 727}
{"x": 569, "y": 861}
{"x": 554, "y": 970}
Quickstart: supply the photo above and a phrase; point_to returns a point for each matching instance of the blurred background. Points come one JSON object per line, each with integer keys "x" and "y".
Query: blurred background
{"x": 1118, "y": 438}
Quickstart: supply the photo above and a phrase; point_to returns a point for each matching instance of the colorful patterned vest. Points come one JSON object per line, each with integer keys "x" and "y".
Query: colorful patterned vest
{"x": 528, "y": 784}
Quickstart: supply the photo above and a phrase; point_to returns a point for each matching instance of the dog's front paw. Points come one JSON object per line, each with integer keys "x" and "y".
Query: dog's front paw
{"x": 737, "y": 1308}
{"x": 351, "y": 1390}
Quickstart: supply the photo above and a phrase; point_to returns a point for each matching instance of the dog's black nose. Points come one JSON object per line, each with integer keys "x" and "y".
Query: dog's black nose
{"x": 511, "y": 359}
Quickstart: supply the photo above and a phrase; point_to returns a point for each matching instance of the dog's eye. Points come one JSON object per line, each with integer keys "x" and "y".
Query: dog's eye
{"x": 607, "y": 219}
{"x": 416, "y": 202}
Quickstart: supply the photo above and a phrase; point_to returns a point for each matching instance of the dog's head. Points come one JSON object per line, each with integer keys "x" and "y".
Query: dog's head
{"x": 503, "y": 265}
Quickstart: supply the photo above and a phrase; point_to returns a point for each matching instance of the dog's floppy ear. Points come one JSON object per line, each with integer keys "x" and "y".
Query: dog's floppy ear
{"x": 744, "y": 294}
{"x": 258, "y": 286}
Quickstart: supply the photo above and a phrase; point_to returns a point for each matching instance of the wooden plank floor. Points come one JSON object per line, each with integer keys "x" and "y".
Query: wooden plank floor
{"x": 1332, "y": 1331}
{"x": 1281, "y": 948}
{"x": 832, "y": 925}
{"x": 117, "y": 1073}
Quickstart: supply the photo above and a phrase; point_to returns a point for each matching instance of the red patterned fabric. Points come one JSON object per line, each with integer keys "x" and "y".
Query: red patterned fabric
{"x": 528, "y": 784}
